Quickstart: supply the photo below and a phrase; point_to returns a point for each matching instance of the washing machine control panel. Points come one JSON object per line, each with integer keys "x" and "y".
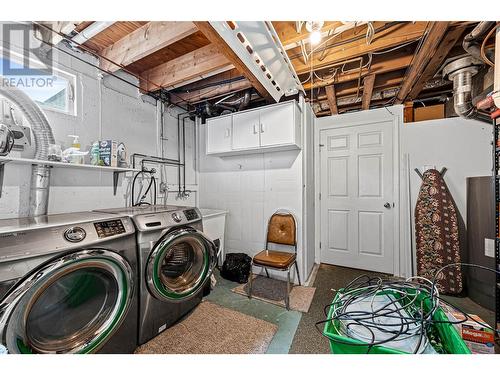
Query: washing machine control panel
{"x": 109, "y": 228}
{"x": 176, "y": 217}
{"x": 191, "y": 214}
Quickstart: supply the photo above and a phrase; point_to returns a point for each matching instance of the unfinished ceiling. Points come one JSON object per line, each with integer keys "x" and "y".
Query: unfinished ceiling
{"x": 355, "y": 66}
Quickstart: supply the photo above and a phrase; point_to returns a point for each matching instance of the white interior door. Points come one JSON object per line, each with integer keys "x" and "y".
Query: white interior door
{"x": 357, "y": 196}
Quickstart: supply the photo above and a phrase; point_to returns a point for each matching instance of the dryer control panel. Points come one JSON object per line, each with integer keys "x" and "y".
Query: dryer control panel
{"x": 109, "y": 228}
{"x": 191, "y": 214}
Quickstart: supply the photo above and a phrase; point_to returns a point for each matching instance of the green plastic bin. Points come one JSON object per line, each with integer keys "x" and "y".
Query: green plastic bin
{"x": 451, "y": 340}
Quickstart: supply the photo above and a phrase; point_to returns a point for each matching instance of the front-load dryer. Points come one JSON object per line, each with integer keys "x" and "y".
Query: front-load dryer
{"x": 68, "y": 284}
{"x": 175, "y": 260}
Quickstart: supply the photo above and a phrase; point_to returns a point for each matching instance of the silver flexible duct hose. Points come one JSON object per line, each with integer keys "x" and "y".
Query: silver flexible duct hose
{"x": 40, "y": 174}
{"x": 462, "y": 89}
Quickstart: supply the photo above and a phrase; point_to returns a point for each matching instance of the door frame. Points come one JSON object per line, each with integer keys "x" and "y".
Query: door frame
{"x": 401, "y": 256}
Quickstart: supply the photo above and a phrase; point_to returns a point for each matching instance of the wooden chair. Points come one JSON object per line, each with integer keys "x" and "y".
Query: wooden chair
{"x": 282, "y": 230}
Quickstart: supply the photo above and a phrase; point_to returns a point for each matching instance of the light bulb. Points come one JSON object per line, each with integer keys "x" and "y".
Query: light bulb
{"x": 315, "y": 37}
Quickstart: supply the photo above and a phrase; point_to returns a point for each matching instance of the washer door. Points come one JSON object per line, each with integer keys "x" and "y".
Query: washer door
{"x": 70, "y": 304}
{"x": 179, "y": 264}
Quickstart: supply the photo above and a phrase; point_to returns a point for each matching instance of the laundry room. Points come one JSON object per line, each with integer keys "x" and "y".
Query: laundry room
{"x": 174, "y": 186}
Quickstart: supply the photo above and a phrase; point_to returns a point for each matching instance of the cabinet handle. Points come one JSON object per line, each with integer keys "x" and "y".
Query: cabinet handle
{"x": 227, "y": 133}
{"x": 255, "y": 129}
{"x": 262, "y": 128}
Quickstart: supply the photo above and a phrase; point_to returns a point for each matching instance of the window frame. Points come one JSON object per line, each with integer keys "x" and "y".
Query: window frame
{"x": 71, "y": 92}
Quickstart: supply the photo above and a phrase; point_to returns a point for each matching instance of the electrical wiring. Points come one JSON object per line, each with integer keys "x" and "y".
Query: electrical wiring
{"x": 392, "y": 312}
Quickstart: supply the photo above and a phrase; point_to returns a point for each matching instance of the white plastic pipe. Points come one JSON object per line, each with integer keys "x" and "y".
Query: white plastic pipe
{"x": 89, "y": 32}
{"x": 496, "y": 86}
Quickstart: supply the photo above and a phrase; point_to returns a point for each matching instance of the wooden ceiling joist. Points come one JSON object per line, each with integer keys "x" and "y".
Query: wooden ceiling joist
{"x": 449, "y": 41}
{"x": 388, "y": 38}
{"x": 231, "y": 56}
{"x": 395, "y": 62}
{"x": 367, "y": 91}
{"x": 144, "y": 41}
{"x": 434, "y": 35}
{"x": 332, "y": 99}
{"x": 198, "y": 64}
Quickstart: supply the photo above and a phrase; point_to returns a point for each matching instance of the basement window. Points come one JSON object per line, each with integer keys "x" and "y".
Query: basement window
{"x": 53, "y": 92}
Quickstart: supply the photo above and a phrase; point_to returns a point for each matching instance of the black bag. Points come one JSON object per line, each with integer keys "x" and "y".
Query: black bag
{"x": 236, "y": 267}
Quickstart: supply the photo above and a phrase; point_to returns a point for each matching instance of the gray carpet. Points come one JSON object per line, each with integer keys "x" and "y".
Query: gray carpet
{"x": 307, "y": 339}
{"x": 274, "y": 291}
{"x": 213, "y": 329}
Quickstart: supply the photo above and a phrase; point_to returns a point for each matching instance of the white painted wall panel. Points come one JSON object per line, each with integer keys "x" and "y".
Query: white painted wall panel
{"x": 106, "y": 109}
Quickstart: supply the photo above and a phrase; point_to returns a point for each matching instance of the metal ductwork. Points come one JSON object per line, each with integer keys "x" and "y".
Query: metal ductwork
{"x": 40, "y": 174}
{"x": 242, "y": 102}
{"x": 461, "y": 71}
{"x": 472, "y": 41}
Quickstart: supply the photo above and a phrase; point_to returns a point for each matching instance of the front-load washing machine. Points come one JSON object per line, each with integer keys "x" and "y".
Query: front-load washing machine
{"x": 175, "y": 260}
{"x": 68, "y": 284}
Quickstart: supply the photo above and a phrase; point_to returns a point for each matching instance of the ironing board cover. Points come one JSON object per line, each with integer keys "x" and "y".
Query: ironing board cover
{"x": 436, "y": 226}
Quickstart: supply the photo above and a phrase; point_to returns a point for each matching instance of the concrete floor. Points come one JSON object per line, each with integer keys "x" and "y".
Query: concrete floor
{"x": 297, "y": 331}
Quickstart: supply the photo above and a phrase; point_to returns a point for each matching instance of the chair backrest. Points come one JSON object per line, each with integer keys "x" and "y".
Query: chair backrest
{"x": 282, "y": 229}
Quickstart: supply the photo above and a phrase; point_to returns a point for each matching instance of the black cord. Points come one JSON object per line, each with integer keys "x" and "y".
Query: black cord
{"x": 406, "y": 294}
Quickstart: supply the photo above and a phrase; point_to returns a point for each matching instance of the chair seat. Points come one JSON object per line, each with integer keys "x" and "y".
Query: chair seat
{"x": 274, "y": 259}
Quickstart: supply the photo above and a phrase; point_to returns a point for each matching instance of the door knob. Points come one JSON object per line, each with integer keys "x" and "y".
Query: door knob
{"x": 387, "y": 205}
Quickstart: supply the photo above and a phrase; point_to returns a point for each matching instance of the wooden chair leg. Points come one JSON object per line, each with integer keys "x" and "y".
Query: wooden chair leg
{"x": 297, "y": 269}
{"x": 250, "y": 279}
{"x": 287, "y": 298}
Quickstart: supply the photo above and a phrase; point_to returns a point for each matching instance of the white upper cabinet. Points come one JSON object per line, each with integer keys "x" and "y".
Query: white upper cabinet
{"x": 273, "y": 128}
{"x": 246, "y": 133}
{"x": 277, "y": 125}
{"x": 219, "y": 133}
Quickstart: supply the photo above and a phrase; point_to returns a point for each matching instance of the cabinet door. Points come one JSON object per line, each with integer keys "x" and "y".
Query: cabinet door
{"x": 246, "y": 130}
{"x": 277, "y": 125}
{"x": 219, "y": 134}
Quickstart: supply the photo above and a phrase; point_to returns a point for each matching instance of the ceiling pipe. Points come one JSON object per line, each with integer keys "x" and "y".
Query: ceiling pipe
{"x": 91, "y": 31}
{"x": 472, "y": 41}
{"x": 496, "y": 85}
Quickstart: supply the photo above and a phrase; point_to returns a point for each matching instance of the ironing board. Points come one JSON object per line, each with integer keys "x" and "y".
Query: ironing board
{"x": 437, "y": 237}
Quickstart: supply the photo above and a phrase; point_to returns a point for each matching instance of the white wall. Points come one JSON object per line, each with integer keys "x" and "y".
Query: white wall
{"x": 462, "y": 146}
{"x": 252, "y": 188}
{"x": 106, "y": 109}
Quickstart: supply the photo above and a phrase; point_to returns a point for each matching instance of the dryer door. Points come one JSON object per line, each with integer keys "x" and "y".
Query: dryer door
{"x": 72, "y": 303}
{"x": 179, "y": 264}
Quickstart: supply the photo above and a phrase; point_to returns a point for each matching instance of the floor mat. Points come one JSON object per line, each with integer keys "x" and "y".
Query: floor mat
{"x": 274, "y": 291}
{"x": 213, "y": 329}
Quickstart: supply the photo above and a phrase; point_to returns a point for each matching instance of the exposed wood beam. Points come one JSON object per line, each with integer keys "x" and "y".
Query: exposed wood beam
{"x": 396, "y": 62}
{"x": 367, "y": 91}
{"x": 231, "y": 56}
{"x": 332, "y": 100}
{"x": 435, "y": 33}
{"x": 388, "y": 80}
{"x": 195, "y": 96}
{"x": 449, "y": 41}
{"x": 198, "y": 64}
{"x": 384, "y": 39}
{"x": 144, "y": 41}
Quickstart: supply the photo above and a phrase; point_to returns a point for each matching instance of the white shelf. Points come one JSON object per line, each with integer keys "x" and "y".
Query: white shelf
{"x": 58, "y": 164}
